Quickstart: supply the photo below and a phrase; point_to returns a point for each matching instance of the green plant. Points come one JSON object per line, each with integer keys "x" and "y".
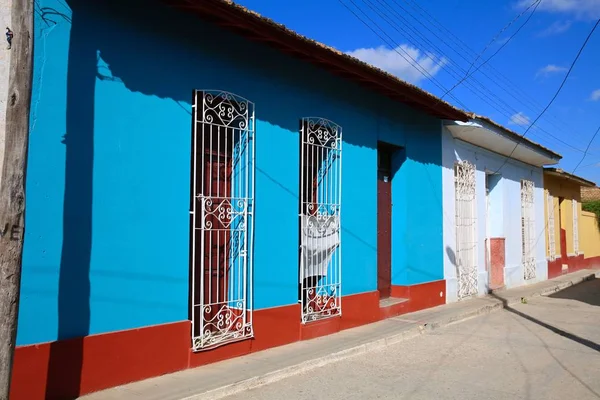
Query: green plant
{"x": 593, "y": 206}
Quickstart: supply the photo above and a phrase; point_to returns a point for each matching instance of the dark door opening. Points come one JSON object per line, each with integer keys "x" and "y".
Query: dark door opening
{"x": 384, "y": 220}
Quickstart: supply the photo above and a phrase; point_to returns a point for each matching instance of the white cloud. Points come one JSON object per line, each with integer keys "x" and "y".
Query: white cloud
{"x": 519, "y": 119}
{"x": 550, "y": 69}
{"x": 595, "y": 96}
{"x": 556, "y": 28}
{"x": 391, "y": 61}
{"x": 585, "y": 9}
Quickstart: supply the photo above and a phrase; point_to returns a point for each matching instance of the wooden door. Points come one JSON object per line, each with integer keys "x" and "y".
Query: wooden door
{"x": 384, "y": 223}
{"x": 217, "y": 172}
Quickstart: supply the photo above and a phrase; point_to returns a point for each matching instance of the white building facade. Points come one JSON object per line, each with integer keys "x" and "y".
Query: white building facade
{"x": 494, "y": 225}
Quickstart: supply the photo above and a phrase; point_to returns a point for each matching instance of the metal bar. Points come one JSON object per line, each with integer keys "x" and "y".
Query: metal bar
{"x": 194, "y": 200}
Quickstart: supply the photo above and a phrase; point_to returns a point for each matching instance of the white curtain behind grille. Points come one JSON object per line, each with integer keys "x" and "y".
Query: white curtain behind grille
{"x": 319, "y": 239}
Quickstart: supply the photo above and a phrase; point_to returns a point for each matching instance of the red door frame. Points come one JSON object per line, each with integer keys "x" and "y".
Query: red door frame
{"x": 384, "y": 221}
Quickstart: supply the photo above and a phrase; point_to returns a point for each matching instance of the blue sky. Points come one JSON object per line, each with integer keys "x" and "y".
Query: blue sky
{"x": 445, "y": 36}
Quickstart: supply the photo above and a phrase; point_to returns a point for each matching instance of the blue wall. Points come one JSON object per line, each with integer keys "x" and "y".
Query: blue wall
{"x": 107, "y": 240}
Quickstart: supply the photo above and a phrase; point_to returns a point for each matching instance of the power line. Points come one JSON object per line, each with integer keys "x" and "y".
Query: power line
{"x": 467, "y": 75}
{"x": 488, "y": 97}
{"x": 589, "y": 144}
{"x": 556, "y": 94}
{"x": 526, "y": 99}
{"x": 414, "y": 62}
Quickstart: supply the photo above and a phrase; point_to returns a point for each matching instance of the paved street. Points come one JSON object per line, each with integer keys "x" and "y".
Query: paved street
{"x": 548, "y": 348}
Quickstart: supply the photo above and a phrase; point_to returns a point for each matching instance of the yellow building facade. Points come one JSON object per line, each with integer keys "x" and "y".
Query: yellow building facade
{"x": 572, "y": 235}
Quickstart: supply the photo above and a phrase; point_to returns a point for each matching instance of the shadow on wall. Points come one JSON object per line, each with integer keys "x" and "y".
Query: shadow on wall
{"x": 164, "y": 34}
{"x": 452, "y": 257}
{"x": 66, "y": 357}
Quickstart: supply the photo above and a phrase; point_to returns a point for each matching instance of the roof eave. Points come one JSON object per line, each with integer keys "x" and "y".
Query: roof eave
{"x": 570, "y": 177}
{"x": 501, "y": 142}
{"x": 258, "y": 28}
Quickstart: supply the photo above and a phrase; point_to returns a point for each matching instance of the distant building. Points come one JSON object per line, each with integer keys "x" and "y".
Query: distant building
{"x": 572, "y": 237}
{"x": 590, "y": 194}
{"x": 493, "y": 208}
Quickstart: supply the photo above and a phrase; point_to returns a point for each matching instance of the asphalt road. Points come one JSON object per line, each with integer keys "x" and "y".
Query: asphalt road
{"x": 548, "y": 348}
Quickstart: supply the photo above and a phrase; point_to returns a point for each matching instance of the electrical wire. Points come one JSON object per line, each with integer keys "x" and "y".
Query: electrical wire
{"x": 488, "y": 97}
{"x": 414, "y": 62}
{"x": 588, "y": 146}
{"x": 526, "y": 99}
{"x": 467, "y": 75}
{"x": 556, "y": 94}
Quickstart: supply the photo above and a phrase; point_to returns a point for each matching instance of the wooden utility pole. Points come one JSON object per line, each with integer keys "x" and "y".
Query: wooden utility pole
{"x": 12, "y": 190}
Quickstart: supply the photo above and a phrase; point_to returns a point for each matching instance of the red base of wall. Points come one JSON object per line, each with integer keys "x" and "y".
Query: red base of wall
{"x": 71, "y": 368}
{"x": 575, "y": 263}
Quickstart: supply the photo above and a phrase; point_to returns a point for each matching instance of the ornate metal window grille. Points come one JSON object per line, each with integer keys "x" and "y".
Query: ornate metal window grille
{"x": 466, "y": 223}
{"x": 320, "y": 206}
{"x": 575, "y": 227}
{"x": 222, "y": 213}
{"x": 551, "y": 228}
{"x": 528, "y": 228}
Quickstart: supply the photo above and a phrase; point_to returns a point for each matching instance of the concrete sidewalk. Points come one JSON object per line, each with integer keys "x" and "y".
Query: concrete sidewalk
{"x": 229, "y": 377}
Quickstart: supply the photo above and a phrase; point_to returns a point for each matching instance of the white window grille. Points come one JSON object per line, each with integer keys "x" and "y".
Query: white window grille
{"x": 551, "y": 228}
{"x": 575, "y": 227}
{"x": 466, "y": 222}
{"x": 320, "y": 207}
{"x": 222, "y": 219}
{"x": 528, "y": 228}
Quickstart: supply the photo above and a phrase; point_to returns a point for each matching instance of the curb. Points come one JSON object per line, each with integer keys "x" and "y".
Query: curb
{"x": 378, "y": 344}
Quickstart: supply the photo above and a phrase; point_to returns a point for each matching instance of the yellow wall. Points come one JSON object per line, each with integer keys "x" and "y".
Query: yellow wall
{"x": 590, "y": 235}
{"x": 568, "y": 190}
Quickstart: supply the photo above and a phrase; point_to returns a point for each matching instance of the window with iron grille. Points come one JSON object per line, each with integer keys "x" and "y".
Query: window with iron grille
{"x": 222, "y": 210}
{"x": 528, "y": 229}
{"x": 319, "y": 219}
{"x": 466, "y": 223}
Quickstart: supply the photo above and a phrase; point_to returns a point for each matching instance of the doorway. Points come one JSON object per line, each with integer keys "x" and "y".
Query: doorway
{"x": 494, "y": 239}
{"x": 385, "y": 155}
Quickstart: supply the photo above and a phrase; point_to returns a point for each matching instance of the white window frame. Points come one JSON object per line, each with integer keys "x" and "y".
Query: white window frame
{"x": 466, "y": 229}
{"x": 551, "y": 228}
{"x": 575, "y": 226}
{"x": 528, "y": 228}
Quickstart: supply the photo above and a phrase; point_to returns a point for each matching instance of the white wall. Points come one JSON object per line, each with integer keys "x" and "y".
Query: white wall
{"x": 506, "y": 224}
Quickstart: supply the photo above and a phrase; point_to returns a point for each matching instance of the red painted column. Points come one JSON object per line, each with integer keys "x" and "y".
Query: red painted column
{"x": 497, "y": 262}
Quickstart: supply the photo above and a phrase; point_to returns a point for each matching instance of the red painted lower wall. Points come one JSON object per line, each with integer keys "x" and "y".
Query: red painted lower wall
{"x": 575, "y": 263}
{"x": 67, "y": 369}
{"x": 422, "y": 296}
